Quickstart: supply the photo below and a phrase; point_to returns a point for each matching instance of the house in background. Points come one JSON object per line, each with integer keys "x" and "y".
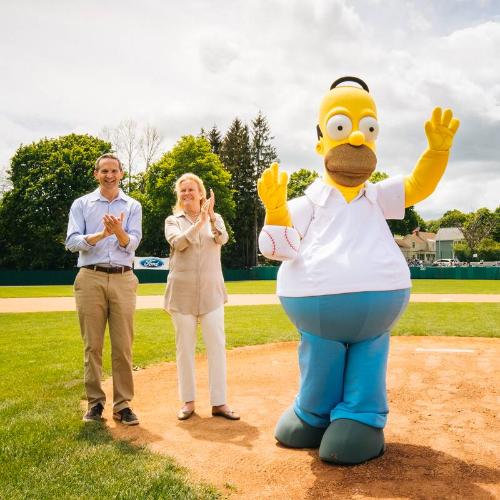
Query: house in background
{"x": 445, "y": 240}
{"x": 418, "y": 245}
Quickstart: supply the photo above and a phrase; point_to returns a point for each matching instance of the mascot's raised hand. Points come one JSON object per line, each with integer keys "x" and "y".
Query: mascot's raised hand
{"x": 440, "y": 129}
{"x": 272, "y": 187}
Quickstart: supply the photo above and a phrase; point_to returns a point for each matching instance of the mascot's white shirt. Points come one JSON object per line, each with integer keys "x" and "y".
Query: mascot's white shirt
{"x": 339, "y": 247}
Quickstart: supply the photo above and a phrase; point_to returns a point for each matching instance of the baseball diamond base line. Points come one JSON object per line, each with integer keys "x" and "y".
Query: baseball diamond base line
{"x": 47, "y": 304}
{"x": 442, "y": 432}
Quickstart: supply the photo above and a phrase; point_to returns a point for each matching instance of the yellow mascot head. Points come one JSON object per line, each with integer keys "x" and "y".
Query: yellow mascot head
{"x": 347, "y": 130}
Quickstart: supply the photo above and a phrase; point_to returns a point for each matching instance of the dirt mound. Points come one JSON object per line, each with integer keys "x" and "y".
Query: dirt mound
{"x": 442, "y": 433}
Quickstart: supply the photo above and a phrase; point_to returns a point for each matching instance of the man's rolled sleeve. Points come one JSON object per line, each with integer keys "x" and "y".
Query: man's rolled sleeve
{"x": 134, "y": 229}
{"x": 75, "y": 237}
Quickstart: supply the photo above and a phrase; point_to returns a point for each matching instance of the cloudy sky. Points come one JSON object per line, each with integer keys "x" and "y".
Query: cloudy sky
{"x": 80, "y": 66}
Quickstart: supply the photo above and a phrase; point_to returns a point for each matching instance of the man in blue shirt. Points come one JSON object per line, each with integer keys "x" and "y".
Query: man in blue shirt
{"x": 105, "y": 228}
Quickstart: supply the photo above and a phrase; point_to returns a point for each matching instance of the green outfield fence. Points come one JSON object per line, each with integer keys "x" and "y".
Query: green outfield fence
{"x": 67, "y": 276}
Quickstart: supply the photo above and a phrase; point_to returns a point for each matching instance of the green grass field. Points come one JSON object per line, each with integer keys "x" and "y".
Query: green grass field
{"x": 48, "y": 452}
{"x": 419, "y": 286}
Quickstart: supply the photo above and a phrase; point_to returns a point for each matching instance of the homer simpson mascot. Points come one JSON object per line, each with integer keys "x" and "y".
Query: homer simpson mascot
{"x": 344, "y": 281}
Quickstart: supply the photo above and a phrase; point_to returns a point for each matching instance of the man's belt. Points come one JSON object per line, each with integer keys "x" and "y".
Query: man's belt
{"x": 110, "y": 270}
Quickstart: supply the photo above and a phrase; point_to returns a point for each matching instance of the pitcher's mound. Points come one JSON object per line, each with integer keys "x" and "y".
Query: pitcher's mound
{"x": 442, "y": 433}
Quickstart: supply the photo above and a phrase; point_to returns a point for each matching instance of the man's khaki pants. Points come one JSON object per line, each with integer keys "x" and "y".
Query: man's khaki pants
{"x": 101, "y": 298}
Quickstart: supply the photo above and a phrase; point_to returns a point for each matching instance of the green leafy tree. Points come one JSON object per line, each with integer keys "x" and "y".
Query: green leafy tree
{"x": 378, "y": 176}
{"x": 190, "y": 154}
{"x": 489, "y": 250}
{"x": 433, "y": 225}
{"x": 46, "y": 177}
{"x": 299, "y": 181}
{"x": 411, "y": 220}
{"x": 236, "y": 155}
{"x": 496, "y": 232}
{"x": 453, "y": 218}
{"x": 478, "y": 226}
{"x": 462, "y": 252}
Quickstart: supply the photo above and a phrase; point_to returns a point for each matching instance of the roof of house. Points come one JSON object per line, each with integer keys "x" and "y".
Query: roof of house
{"x": 449, "y": 234}
{"x": 426, "y": 236}
{"x": 402, "y": 243}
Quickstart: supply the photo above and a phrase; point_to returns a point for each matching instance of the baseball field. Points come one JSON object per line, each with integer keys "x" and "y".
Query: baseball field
{"x": 442, "y": 434}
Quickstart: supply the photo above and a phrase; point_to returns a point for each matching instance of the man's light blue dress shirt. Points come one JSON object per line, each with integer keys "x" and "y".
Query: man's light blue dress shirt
{"x": 85, "y": 217}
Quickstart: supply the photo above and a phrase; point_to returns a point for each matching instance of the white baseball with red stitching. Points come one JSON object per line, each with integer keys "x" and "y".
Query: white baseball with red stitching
{"x": 279, "y": 242}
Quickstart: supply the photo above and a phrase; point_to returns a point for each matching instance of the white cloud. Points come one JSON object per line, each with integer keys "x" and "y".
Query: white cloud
{"x": 79, "y": 66}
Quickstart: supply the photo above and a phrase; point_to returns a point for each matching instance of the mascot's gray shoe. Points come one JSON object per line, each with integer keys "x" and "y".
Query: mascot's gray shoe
{"x": 348, "y": 442}
{"x": 295, "y": 433}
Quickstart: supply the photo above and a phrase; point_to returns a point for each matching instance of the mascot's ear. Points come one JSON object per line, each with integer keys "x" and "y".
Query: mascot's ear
{"x": 319, "y": 144}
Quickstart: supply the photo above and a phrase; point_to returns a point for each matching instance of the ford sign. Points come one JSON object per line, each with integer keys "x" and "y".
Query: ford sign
{"x": 152, "y": 262}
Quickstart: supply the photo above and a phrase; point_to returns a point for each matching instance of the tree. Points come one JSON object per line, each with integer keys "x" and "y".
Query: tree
{"x": 477, "y": 227}
{"x": 236, "y": 155}
{"x": 215, "y": 139}
{"x": 5, "y": 184}
{"x": 46, "y": 177}
{"x": 128, "y": 145}
{"x": 377, "y": 177}
{"x": 496, "y": 232}
{"x": 299, "y": 181}
{"x": 190, "y": 154}
{"x": 489, "y": 250}
{"x": 150, "y": 142}
{"x": 130, "y": 142}
{"x": 411, "y": 219}
{"x": 433, "y": 225}
{"x": 245, "y": 153}
{"x": 263, "y": 155}
{"x": 452, "y": 218}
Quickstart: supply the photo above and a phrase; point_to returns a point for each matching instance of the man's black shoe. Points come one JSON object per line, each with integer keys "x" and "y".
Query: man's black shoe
{"x": 94, "y": 414}
{"x": 126, "y": 417}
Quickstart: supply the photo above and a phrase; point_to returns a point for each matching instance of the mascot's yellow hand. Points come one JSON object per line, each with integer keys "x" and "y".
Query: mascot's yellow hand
{"x": 440, "y": 129}
{"x": 272, "y": 191}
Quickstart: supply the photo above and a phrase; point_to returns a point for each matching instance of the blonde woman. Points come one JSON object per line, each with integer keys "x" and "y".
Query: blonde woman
{"x": 196, "y": 292}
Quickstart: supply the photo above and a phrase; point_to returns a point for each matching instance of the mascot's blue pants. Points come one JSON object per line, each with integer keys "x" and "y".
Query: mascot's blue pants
{"x": 343, "y": 354}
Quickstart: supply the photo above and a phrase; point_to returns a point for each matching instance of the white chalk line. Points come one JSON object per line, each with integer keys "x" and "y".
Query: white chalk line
{"x": 444, "y": 350}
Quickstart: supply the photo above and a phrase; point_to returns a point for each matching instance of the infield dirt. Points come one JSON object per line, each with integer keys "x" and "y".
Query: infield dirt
{"x": 442, "y": 435}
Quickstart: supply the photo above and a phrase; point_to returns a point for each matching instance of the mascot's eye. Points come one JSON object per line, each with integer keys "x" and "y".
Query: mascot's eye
{"x": 339, "y": 127}
{"x": 369, "y": 127}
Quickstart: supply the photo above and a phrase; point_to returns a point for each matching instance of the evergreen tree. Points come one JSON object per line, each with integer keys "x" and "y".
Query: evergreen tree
{"x": 263, "y": 155}
{"x": 214, "y": 137}
{"x": 236, "y": 155}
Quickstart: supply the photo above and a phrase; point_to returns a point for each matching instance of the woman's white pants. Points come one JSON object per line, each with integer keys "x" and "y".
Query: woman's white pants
{"x": 212, "y": 328}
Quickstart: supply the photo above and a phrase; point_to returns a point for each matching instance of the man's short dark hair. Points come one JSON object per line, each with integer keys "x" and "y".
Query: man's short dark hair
{"x": 110, "y": 156}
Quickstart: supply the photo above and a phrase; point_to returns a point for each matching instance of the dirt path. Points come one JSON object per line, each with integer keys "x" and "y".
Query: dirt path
{"x": 40, "y": 304}
{"x": 442, "y": 434}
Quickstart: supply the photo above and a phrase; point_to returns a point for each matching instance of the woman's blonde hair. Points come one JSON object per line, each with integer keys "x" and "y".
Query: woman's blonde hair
{"x": 188, "y": 177}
